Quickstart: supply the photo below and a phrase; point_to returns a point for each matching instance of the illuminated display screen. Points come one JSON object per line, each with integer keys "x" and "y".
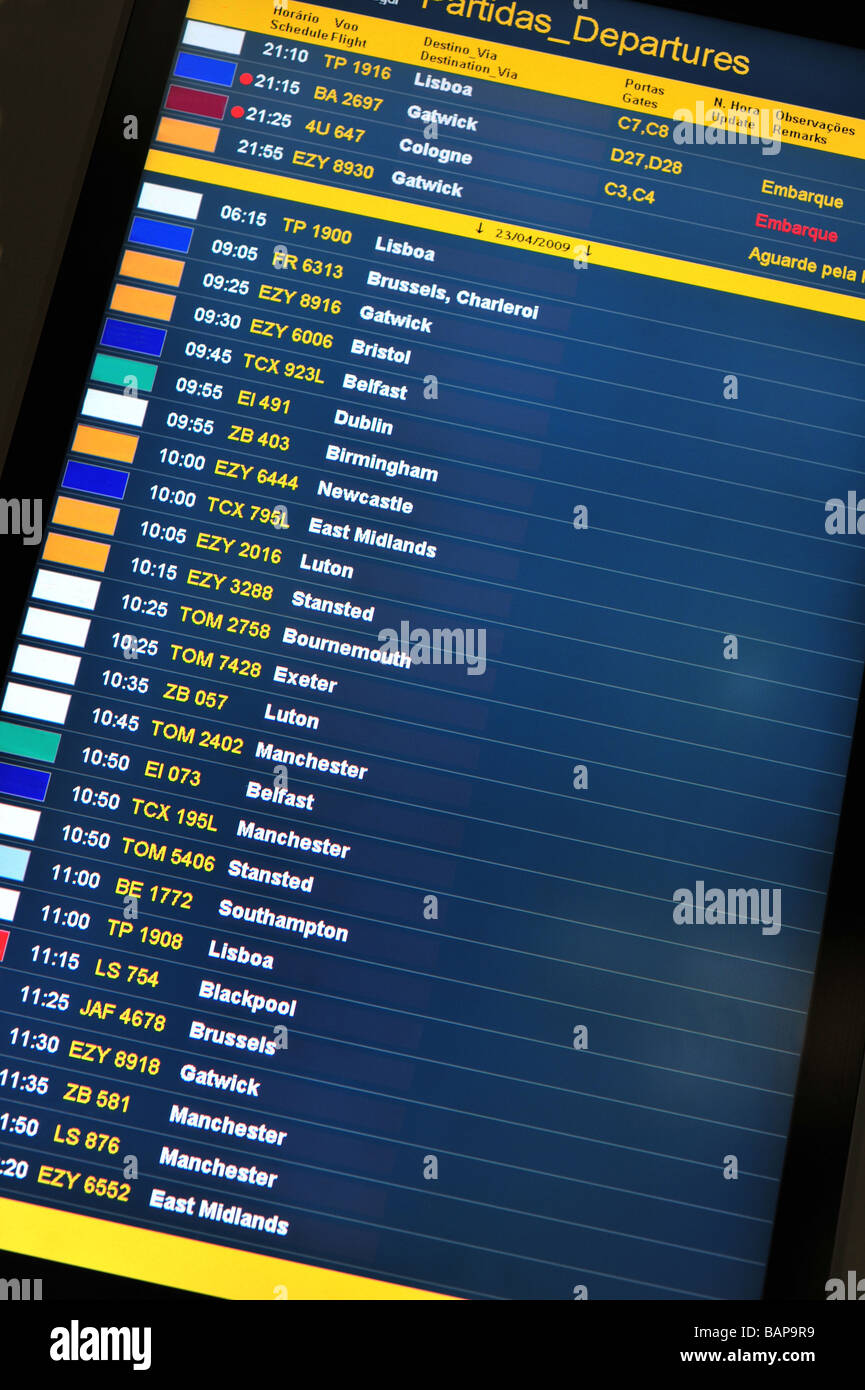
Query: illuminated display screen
{"x": 423, "y": 748}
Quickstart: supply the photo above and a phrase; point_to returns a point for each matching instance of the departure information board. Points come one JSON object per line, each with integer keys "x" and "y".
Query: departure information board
{"x": 424, "y": 744}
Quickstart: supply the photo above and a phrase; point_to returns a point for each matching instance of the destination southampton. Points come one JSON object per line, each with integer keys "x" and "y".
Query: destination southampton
{"x": 263, "y": 916}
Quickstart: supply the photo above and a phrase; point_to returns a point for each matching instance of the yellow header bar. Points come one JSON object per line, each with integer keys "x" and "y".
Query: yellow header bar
{"x": 389, "y": 210}
{"x": 462, "y": 58}
{"x": 158, "y": 1257}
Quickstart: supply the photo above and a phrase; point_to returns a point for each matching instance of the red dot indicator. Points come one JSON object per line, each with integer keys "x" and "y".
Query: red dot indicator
{"x": 237, "y": 112}
{"x": 245, "y": 79}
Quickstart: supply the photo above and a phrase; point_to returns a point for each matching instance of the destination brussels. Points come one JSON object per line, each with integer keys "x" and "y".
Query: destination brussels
{"x": 588, "y": 30}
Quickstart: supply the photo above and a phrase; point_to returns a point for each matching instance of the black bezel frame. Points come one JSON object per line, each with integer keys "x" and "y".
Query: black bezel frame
{"x": 828, "y": 1083}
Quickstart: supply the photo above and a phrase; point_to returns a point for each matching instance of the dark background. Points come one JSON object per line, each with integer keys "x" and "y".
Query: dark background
{"x": 56, "y": 58}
